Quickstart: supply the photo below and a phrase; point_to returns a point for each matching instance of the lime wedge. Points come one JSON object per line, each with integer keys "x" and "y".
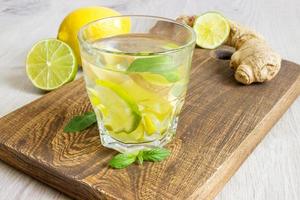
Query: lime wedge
{"x": 212, "y": 29}
{"x": 50, "y": 64}
{"x": 120, "y": 112}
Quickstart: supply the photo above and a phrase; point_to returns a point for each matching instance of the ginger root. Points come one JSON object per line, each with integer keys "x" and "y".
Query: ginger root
{"x": 253, "y": 60}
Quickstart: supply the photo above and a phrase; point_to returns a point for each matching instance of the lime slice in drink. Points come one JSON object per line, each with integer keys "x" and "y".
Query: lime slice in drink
{"x": 150, "y": 123}
{"x": 120, "y": 112}
{"x": 50, "y": 64}
{"x": 156, "y": 115}
{"x": 135, "y": 136}
{"x": 212, "y": 29}
{"x": 154, "y": 107}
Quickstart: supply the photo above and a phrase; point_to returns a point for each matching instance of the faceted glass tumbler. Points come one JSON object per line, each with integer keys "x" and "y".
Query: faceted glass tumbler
{"x": 136, "y": 71}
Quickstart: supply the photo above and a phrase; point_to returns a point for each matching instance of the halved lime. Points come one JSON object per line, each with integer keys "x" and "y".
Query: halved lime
{"x": 120, "y": 112}
{"x": 212, "y": 29}
{"x": 50, "y": 64}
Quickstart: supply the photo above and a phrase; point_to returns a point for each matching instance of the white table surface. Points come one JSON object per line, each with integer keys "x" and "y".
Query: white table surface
{"x": 272, "y": 171}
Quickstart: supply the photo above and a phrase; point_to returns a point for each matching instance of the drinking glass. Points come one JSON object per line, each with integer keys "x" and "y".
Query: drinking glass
{"x": 136, "y": 71}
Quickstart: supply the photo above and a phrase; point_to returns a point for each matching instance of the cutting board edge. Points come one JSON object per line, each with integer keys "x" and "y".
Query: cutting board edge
{"x": 230, "y": 166}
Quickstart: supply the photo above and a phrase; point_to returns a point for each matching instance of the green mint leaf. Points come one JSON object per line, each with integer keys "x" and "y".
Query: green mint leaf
{"x": 155, "y": 64}
{"x": 156, "y": 155}
{"x": 79, "y": 123}
{"x": 122, "y": 160}
{"x": 163, "y": 65}
{"x": 171, "y": 76}
{"x": 140, "y": 158}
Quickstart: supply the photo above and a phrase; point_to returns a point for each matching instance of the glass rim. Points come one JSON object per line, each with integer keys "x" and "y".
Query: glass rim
{"x": 89, "y": 45}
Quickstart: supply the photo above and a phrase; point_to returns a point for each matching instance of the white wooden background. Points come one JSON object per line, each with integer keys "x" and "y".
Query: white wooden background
{"x": 272, "y": 171}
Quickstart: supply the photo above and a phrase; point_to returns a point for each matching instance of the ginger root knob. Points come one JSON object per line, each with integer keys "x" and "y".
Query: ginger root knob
{"x": 253, "y": 60}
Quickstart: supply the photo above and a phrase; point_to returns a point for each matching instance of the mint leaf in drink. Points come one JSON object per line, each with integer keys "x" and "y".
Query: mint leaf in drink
{"x": 171, "y": 76}
{"x": 156, "y": 155}
{"x": 154, "y": 64}
{"x": 162, "y": 64}
{"x": 121, "y": 160}
{"x": 79, "y": 123}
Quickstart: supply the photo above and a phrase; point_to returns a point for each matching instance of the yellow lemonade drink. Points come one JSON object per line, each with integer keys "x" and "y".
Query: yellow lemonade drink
{"x": 136, "y": 84}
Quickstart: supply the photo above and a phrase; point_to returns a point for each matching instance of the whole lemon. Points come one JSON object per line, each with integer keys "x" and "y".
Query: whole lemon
{"x": 76, "y": 19}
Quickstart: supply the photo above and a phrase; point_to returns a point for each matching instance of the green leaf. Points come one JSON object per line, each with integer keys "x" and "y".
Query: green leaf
{"x": 122, "y": 160}
{"x": 140, "y": 158}
{"x": 162, "y": 64}
{"x": 154, "y": 64}
{"x": 156, "y": 155}
{"x": 171, "y": 76}
{"x": 79, "y": 123}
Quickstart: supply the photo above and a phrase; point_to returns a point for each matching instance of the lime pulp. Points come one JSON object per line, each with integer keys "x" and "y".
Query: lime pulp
{"x": 50, "y": 64}
{"x": 212, "y": 30}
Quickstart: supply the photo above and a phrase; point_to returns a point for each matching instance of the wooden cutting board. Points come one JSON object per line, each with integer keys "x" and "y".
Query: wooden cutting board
{"x": 220, "y": 125}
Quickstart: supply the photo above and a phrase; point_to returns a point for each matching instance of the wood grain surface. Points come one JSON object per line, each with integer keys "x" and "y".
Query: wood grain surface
{"x": 221, "y": 123}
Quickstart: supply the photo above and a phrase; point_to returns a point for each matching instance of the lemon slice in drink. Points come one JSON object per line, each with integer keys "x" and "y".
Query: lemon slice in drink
{"x": 120, "y": 112}
{"x": 50, "y": 64}
{"x": 156, "y": 114}
{"x": 212, "y": 29}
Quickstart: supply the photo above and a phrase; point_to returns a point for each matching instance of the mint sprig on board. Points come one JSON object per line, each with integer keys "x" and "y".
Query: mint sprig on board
{"x": 156, "y": 155}
{"x": 80, "y": 123}
{"x": 123, "y": 160}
